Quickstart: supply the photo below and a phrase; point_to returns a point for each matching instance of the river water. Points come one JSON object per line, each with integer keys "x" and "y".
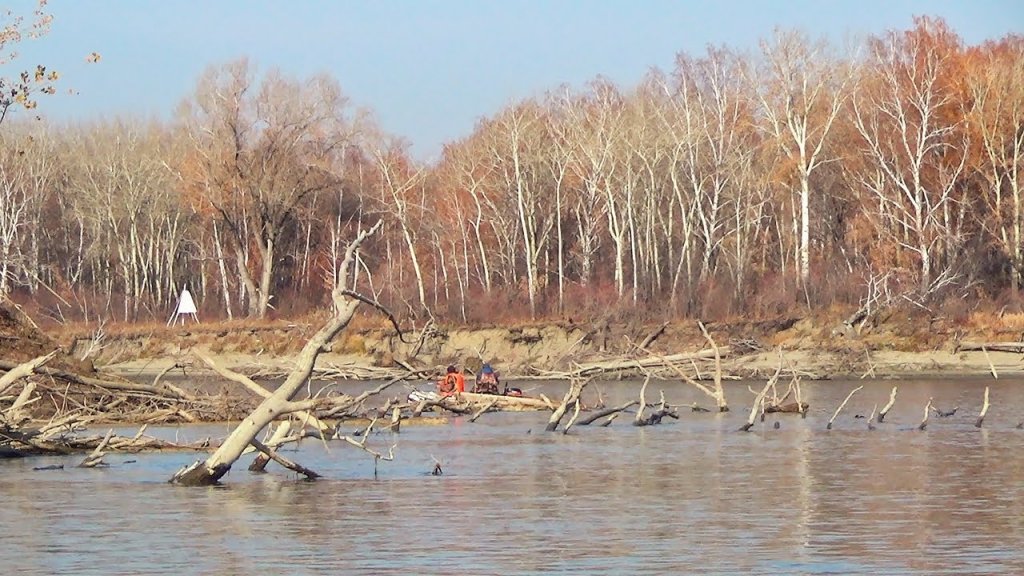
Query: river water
{"x": 690, "y": 496}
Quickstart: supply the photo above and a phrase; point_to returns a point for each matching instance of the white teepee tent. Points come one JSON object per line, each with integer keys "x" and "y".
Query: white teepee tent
{"x": 186, "y": 307}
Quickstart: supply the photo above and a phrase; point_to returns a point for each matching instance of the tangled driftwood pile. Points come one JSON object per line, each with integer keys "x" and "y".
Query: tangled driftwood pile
{"x": 43, "y": 409}
{"x": 48, "y": 399}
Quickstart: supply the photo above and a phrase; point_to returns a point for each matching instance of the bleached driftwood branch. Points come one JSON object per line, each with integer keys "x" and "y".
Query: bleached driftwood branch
{"x": 293, "y": 466}
{"x": 641, "y": 403}
{"x": 841, "y": 406}
{"x": 927, "y": 413}
{"x": 650, "y": 363}
{"x": 96, "y": 457}
{"x": 255, "y": 388}
{"x": 572, "y": 395}
{"x": 758, "y": 402}
{"x": 16, "y": 372}
{"x": 984, "y": 411}
{"x": 259, "y": 463}
{"x": 344, "y": 307}
{"x": 485, "y": 408}
{"x": 572, "y": 420}
{"x": 888, "y": 406}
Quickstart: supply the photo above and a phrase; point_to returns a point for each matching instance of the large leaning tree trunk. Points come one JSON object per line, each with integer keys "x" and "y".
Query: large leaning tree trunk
{"x": 572, "y": 398}
{"x": 210, "y": 471}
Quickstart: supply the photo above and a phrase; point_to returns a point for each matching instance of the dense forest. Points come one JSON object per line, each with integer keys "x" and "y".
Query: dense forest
{"x": 802, "y": 177}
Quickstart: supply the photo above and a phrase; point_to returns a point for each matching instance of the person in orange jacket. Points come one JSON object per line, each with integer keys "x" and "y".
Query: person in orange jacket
{"x": 453, "y": 382}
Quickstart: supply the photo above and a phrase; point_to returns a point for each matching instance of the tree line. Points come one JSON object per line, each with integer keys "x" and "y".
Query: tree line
{"x": 802, "y": 175}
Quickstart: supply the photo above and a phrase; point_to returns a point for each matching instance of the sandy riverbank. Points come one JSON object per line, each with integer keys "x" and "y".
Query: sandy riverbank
{"x": 817, "y": 348}
{"x": 813, "y": 365}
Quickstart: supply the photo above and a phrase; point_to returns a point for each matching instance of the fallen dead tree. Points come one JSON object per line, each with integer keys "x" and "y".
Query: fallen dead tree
{"x": 42, "y": 398}
{"x": 779, "y": 405}
{"x": 469, "y": 403}
{"x": 16, "y": 372}
{"x": 654, "y": 335}
{"x": 50, "y": 392}
{"x": 260, "y": 391}
{"x": 472, "y": 401}
{"x": 652, "y": 362}
{"x": 927, "y": 413}
{"x": 1011, "y": 347}
{"x": 984, "y": 411}
{"x": 717, "y": 392}
{"x": 333, "y": 371}
{"x": 759, "y": 399}
{"x": 892, "y": 288}
{"x": 449, "y": 403}
{"x": 280, "y": 402}
{"x": 106, "y": 384}
{"x": 758, "y": 405}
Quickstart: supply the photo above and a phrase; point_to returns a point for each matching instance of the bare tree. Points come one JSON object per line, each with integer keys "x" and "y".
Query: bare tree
{"x": 15, "y": 200}
{"x": 608, "y": 171}
{"x": 402, "y": 190}
{"x": 557, "y": 161}
{"x": 679, "y": 223}
{"x": 468, "y": 167}
{"x": 590, "y": 124}
{"x": 29, "y": 175}
{"x": 714, "y": 121}
{"x": 801, "y": 90}
{"x": 652, "y": 145}
{"x": 127, "y": 195}
{"x": 262, "y": 151}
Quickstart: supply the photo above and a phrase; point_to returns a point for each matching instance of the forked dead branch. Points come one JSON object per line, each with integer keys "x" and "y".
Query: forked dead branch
{"x": 279, "y": 403}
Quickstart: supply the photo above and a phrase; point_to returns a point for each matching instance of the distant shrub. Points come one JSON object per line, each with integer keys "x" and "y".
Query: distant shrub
{"x": 354, "y": 344}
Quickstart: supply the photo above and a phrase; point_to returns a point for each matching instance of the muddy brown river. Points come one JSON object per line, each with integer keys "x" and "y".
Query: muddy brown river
{"x": 691, "y": 496}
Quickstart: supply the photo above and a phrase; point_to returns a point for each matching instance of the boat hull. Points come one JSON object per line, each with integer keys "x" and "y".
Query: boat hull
{"x": 474, "y": 400}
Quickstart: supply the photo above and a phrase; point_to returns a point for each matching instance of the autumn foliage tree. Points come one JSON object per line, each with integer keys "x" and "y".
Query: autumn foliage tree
{"x": 908, "y": 112}
{"x": 995, "y": 81}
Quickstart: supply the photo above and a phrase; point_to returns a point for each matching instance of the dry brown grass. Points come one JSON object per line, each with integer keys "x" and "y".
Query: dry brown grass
{"x": 353, "y": 344}
{"x": 988, "y": 320}
{"x": 905, "y": 329}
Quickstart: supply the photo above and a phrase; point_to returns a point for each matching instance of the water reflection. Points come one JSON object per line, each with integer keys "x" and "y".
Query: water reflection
{"x": 689, "y": 496}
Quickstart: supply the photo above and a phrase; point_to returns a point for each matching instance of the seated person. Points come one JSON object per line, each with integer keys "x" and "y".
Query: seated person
{"x": 453, "y": 382}
{"x": 486, "y": 381}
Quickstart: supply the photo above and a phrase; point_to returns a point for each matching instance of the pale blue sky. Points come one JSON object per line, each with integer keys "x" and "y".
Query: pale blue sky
{"x": 430, "y": 68}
